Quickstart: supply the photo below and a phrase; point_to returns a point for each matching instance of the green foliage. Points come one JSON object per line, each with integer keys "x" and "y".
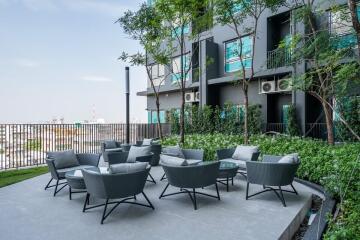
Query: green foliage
{"x": 14, "y": 176}
{"x": 349, "y": 109}
{"x": 293, "y": 127}
{"x": 254, "y": 119}
{"x": 335, "y": 167}
{"x": 174, "y": 120}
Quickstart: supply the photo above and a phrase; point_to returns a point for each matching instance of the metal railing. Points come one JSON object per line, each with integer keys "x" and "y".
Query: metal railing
{"x": 275, "y": 127}
{"x": 23, "y": 145}
{"x": 316, "y": 130}
{"x": 278, "y": 58}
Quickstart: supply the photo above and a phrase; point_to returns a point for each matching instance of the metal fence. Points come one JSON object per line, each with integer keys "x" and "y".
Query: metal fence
{"x": 23, "y": 145}
{"x": 280, "y": 57}
{"x": 275, "y": 127}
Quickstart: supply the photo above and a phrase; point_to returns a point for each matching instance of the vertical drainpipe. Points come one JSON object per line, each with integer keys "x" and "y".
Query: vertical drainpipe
{"x": 127, "y": 93}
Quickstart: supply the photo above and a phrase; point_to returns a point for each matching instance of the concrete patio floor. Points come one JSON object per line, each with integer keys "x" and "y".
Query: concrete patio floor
{"x": 29, "y": 212}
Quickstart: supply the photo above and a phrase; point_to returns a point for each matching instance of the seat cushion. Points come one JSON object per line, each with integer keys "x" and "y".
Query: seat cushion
{"x": 245, "y": 153}
{"x": 192, "y": 162}
{"x": 290, "y": 158}
{"x": 240, "y": 163}
{"x": 64, "y": 159}
{"x": 62, "y": 171}
{"x": 127, "y": 167}
{"x": 174, "y": 151}
{"x": 110, "y": 144}
{"x": 136, "y": 151}
{"x": 113, "y": 149}
{"x": 172, "y": 160}
{"x": 147, "y": 142}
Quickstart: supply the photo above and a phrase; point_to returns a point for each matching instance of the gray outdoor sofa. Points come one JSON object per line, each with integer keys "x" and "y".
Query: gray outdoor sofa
{"x": 246, "y": 153}
{"x": 64, "y": 161}
{"x": 191, "y": 177}
{"x": 272, "y": 173}
{"x": 122, "y": 157}
{"x": 110, "y": 146}
{"x": 124, "y": 185}
{"x": 191, "y": 155}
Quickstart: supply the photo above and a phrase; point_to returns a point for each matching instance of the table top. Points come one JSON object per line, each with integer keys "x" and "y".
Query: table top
{"x": 227, "y": 166}
{"x": 78, "y": 173}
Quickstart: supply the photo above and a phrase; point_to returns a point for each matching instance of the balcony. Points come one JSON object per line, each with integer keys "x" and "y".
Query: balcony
{"x": 280, "y": 57}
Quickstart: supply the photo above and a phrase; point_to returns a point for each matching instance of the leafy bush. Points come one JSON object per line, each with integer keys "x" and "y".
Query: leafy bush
{"x": 334, "y": 167}
{"x": 293, "y": 127}
{"x": 349, "y": 108}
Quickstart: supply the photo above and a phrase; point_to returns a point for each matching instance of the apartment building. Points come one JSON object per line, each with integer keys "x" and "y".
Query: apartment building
{"x": 215, "y": 83}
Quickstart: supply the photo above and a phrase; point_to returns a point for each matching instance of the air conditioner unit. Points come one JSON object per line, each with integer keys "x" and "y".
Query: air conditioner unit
{"x": 284, "y": 85}
{"x": 189, "y": 97}
{"x": 197, "y": 97}
{"x": 268, "y": 87}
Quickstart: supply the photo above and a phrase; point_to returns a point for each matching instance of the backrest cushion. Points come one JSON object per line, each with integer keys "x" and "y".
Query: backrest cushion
{"x": 110, "y": 144}
{"x": 290, "y": 158}
{"x": 174, "y": 151}
{"x": 172, "y": 161}
{"x": 147, "y": 142}
{"x": 127, "y": 167}
{"x": 245, "y": 153}
{"x": 64, "y": 159}
{"x": 136, "y": 151}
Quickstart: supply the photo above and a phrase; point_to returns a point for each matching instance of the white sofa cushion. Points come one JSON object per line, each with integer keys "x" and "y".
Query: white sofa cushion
{"x": 245, "y": 153}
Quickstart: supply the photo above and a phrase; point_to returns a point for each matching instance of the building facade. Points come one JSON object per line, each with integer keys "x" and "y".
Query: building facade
{"x": 214, "y": 85}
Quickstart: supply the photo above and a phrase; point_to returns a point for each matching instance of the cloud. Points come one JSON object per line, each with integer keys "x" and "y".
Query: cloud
{"x": 94, "y": 78}
{"x": 29, "y": 63}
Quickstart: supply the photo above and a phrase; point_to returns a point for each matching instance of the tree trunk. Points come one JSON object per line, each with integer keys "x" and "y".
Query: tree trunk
{"x": 182, "y": 118}
{"x": 246, "y": 116}
{"x": 329, "y": 123}
{"x": 158, "y": 117}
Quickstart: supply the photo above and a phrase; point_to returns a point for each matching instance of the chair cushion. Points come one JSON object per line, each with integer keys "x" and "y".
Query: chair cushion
{"x": 62, "y": 171}
{"x": 192, "y": 162}
{"x": 64, "y": 159}
{"x": 290, "y": 158}
{"x": 147, "y": 142}
{"x": 113, "y": 149}
{"x": 240, "y": 163}
{"x": 110, "y": 144}
{"x": 172, "y": 160}
{"x": 245, "y": 153}
{"x": 127, "y": 167}
{"x": 135, "y": 152}
{"x": 174, "y": 151}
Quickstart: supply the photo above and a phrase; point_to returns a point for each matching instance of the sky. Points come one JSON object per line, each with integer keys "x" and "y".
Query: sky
{"x": 58, "y": 59}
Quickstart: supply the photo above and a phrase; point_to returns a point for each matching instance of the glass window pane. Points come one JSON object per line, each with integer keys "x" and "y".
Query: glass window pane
{"x": 161, "y": 70}
{"x": 154, "y": 71}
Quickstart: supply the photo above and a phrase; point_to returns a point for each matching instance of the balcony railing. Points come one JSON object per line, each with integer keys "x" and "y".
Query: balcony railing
{"x": 23, "y": 145}
{"x": 316, "y": 130}
{"x": 280, "y": 57}
{"x": 275, "y": 127}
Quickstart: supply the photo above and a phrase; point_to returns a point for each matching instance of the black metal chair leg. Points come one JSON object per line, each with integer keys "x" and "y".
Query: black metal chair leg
{"x": 247, "y": 190}
{"x": 194, "y": 197}
{"x": 47, "y": 185}
{"x": 147, "y": 199}
{"x": 152, "y": 179}
{"x": 294, "y": 189}
{"x": 282, "y": 197}
{"x": 104, "y": 213}
{"x": 86, "y": 201}
{"x": 232, "y": 181}
{"x": 56, "y": 186}
{"x": 163, "y": 177}
{"x": 69, "y": 193}
{"x": 217, "y": 191}
{"x": 161, "y": 195}
{"x": 227, "y": 184}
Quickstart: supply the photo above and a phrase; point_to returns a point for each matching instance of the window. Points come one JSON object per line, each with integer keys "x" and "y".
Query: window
{"x": 178, "y": 28}
{"x": 157, "y": 72}
{"x": 232, "y": 52}
{"x": 341, "y": 28}
{"x": 152, "y": 116}
{"x": 176, "y": 66}
{"x": 238, "y": 7}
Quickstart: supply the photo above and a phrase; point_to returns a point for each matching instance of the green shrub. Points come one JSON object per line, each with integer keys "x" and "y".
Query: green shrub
{"x": 335, "y": 167}
{"x": 293, "y": 126}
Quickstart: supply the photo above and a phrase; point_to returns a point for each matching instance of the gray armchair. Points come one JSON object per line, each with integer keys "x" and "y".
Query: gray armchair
{"x": 61, "y": 162}
{"x": 124, "y": 186}
{"x": 110, "y": 146}
{"x": 227, "y": 156}
{"x": 191, "y": 155}
{"x": 270, "y": 173}
{"x": 189, "y": 178}
{"x": 155, "y": 149}
{"x": 122, "y": 157}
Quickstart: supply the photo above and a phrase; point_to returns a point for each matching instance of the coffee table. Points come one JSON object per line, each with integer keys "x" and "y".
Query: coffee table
{"x": 75, "y": 180}
{"x": 227, "y": 170}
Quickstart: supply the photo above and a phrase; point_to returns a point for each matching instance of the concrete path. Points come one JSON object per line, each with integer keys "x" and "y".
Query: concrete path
{"x": 29, "y": 212}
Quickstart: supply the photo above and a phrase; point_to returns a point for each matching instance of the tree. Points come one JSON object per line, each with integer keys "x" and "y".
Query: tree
{"x": 242, "y": 16}
{"x": 177, "y": 17}
{"x": 355, "y": 20}
{"x": 331, "y": 66}
{"x": 144, "y": 26}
